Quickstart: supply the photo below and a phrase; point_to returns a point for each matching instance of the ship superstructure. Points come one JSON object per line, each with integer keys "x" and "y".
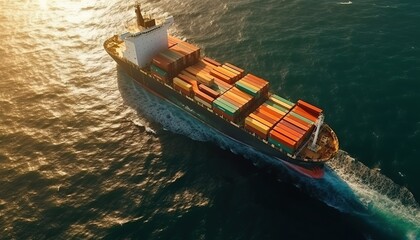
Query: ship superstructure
{"x": 225, "y": 97}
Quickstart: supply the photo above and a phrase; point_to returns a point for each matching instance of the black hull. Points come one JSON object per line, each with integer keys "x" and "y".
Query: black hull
{"x": 311, "y": 169}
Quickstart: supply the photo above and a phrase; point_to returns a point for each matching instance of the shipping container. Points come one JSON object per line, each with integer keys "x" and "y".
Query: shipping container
{"x": 283, "y": 130}
{"x": 281, "y": 146}
{"x": 301, "y": 117}
{"x": 290, "y": 115}
{"x": 270, "y": 118}
{"x": 232, "y": 101}
{"x": 256, "y": 127}
{"x": 304, "y": 113}
{"x": 196, "y": 98}
{"x": 293, "y": 127}
{"x": 278, "y": 108}
{"x": 235, "y": 97}
{"x": 220, "y": 76}
{"x": 182, "y": 84}
{"x": 241, "y": 93}
{"x": 213, "y": 62}
{"x": 247, "y": 88}
{"x": 310, "y": 108}
{"x": 220, "y": 112}
{"x": 272, "y": 111}
{"x": 241, "y": 71}
{"x": 261, "y": 120}
{"x": 282, "y": 99}
{"x": 296, "y": 123}
{"x": 282, "y": 139}
{"x": 280, "y": 103}
{"x": 163, "y": 63}
{"x": 208, "y": 91}
{"x": 228, "y": 104}
{"x": 204, "y": 97}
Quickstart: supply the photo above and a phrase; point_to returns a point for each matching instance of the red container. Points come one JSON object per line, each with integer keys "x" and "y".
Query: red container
{"x": 282, "y": 139}
{"x": 293, "y": 127}
{"x": 297, "y": 124}
{"x": 204, "y": 96}
{"x": 304, "y": 113}
{"x": 208, "y": 91}
{"x": 310, "y": 108}
{"x": 211, "y": 61}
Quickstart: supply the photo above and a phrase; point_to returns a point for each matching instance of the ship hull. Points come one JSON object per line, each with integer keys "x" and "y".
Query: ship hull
{"x": 310, "y": 169}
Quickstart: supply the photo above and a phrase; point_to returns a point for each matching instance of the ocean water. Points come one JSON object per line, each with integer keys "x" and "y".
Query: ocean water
{"x": 86, "y": 154}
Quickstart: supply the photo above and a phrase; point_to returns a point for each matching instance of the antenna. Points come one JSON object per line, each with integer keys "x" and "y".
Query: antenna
{"x": 141, "y": 22}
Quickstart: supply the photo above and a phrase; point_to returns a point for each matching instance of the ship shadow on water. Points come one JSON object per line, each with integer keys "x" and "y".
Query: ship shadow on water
{"x": 232, "y": 186}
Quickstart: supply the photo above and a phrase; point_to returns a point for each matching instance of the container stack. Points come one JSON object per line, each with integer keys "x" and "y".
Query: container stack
{"x": 295, "y": 126}
{"x": 232, "y": 103}
{"x": 253, "y": 85}
{"x": 179, "y": 55}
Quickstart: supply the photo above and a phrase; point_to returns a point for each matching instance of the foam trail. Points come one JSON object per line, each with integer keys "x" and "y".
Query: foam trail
{"x": 348, "y": 185}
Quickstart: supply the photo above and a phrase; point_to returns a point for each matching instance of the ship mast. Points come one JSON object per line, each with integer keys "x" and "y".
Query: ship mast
{"x": 141, "y": 21}
{"x": 318, "y": 126}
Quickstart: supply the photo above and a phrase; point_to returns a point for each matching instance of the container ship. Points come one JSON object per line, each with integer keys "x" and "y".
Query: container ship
{"x": 225, "y": 97}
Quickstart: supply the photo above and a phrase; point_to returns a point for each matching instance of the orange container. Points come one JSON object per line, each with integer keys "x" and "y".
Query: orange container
{"x": 241, "y": 94}
{"x": 211, "y": 61}
{"x": 204, "y": 96}
{"x": 255, "y": 78}
{"x": 288, "y": 134}
{"x": 293, "y": 127}
{"x": 288, "y": 129}
{"x": 297, "y": 124}
{"x": 283, "y": 139}
{"x": 300, "y": 120}
{"x": 304, "y": 113}
{"x": 310, "y": 108}
{"x": 261, "y": 120}
{"x": 235, "y": 97}
{"x": 222, "y": 83}
{"x": 220, "y": 75}
{"x": 244, "y": 100}
{"x": 265, "y": 117}
{"x": 231, "y": 100}
{"x": 276, "y": 114}
{"x": 262, "y": 110}
{"x": 241, "y": 71}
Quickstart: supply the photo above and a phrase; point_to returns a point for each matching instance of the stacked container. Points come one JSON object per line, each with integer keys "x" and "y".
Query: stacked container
{"x": 232, "y": 103}
{"x": 170, "y": 62}
{"x": 295, "y": 126}
{"x": 253, "y": 85}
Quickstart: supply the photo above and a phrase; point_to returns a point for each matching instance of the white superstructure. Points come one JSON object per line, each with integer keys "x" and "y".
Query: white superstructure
{"x": 143, "y": 45}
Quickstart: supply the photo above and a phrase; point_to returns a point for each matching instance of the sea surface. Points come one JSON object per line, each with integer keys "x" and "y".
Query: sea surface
{"x": 87, "y": 154}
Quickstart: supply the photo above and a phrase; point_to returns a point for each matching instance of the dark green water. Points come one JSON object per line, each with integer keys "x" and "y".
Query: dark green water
{"x": 84, "y": 153}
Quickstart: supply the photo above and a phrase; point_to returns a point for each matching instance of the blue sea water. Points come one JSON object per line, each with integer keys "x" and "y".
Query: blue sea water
{"x": 85, "y": 153}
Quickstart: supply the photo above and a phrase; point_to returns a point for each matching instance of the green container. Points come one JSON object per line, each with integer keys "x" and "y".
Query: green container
{"x": 283, "y": 100}
{"x": 246, "y": 89}
{"x": 158, "y": 70}
{"x": 274, "y": 105}
{"x": 230, "y": 105}
{"x": 301, "y": 118}
{"x": 277, "y": 144}
{"x": 222, "y": 106}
